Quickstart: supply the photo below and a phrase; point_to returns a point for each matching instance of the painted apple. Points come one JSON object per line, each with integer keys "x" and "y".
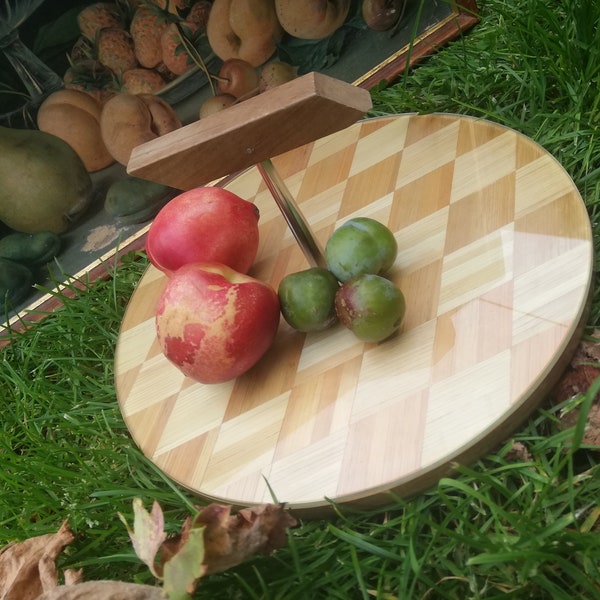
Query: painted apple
{"x": 238, "y": 78}
{"x": 205, "y": 224}
{"x": 274, "y": 74}
{"x": 214, "y": 104}
{"x": 214, "y": 323}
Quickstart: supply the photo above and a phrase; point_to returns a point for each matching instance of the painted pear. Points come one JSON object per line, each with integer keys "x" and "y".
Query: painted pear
{"x": 44, "y": 185}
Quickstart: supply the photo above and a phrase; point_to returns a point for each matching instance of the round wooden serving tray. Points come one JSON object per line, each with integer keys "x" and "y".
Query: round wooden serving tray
{"x": 495, "y": 260}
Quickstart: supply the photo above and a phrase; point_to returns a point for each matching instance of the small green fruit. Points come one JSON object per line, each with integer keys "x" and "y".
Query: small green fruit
{"x": 361, "y": 245}
{"x": 371, "y": 306}
{"x": 307, "y": 299}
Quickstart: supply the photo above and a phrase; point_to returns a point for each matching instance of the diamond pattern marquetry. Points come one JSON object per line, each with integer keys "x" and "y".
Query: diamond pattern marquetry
{"x": 495, "y": 260}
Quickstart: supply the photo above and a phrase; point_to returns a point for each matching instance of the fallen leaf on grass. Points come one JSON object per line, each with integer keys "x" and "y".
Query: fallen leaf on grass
{"x": 230, "y": 539}
{"x": 28, "y": 568}
{"x": 583, "y": 370}
{"x": 183, "y": 570}
{"x": 213, "y": 541}
{"x": 104, "y": 590}
{"x": 73, "y": 576}
{"x": 147, "y": 534}
{"x": 518, "y": 453}
{"x": 591, "y": 433}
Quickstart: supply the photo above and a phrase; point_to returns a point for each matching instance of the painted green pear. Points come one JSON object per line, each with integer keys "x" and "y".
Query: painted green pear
{"x": 44, "y": 185}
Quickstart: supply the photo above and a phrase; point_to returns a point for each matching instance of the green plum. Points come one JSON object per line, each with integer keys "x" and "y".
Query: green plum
{"x": 361, "y": 245}
{"x": 371, "y": 306}
{"x": 307, "y": 299}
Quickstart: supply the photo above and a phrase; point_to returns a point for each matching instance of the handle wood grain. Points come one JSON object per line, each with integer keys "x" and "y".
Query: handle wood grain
{"x": 286, "y": 117}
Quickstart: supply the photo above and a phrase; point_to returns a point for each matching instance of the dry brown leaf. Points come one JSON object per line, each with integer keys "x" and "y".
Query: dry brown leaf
{"x": 28, "y": 568}
{"x": 230, "y": 539}
{"x": 172, "y": 545}
{"x": 591, "y": 433}
{"x": 73, "y": 576}
{"x": 104, "y": 590}
{"x": 583, "y": 370}
{"x": 576, "y": 380}
{"x": 518, "y": 452}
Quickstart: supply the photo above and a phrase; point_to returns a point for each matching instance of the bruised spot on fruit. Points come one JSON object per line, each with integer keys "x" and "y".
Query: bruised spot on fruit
{"x": 345, "y": 313}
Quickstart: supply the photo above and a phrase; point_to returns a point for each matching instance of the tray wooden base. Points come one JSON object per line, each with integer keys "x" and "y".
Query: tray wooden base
{"x": 495, "y": 260}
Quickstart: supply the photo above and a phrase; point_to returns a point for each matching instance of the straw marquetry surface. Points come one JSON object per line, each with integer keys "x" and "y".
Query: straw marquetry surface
{"x": 495, "y": 261}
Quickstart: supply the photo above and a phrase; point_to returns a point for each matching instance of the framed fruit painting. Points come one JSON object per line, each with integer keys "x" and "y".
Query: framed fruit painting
{"x": 46, "y": 46}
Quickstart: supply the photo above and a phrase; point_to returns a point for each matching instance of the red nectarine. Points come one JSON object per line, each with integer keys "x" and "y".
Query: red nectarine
{"x": 214, "y": 323}
{"x": 205, "y": 224}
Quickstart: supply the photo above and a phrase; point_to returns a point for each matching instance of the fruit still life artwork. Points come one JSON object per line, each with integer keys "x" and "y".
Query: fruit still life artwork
{"x": 105, "y": 77}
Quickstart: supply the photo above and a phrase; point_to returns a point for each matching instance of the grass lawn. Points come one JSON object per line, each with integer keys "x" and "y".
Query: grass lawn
{"x": 524, "y": 522}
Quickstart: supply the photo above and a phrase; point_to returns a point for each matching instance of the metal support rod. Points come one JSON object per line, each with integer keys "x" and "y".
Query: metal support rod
{"x": 291, "y": 213}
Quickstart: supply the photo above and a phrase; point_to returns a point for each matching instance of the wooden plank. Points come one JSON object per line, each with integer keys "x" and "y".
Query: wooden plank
{"x": 281, "y": 119}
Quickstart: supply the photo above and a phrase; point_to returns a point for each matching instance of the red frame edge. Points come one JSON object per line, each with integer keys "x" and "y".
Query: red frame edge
{"x": 464, "y": 16}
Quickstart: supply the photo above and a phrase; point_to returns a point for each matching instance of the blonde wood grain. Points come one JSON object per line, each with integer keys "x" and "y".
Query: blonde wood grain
{"x": 495, "y": 261}
{"x": 286, "y": 117}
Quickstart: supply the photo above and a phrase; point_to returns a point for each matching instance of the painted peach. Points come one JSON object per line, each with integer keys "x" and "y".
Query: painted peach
{"x": 214, "y": 323}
